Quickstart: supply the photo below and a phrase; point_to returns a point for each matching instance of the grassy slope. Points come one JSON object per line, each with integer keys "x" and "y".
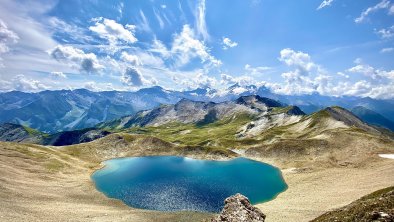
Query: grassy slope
{"x": 217, "y": 136}
{"x": 377, "y": 206}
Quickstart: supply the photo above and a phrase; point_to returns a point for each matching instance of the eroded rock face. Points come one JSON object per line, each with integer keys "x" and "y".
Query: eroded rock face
{"x": 238, "y": 209}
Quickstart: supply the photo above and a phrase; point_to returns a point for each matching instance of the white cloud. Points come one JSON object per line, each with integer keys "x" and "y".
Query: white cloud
{"x": 144, "y": 23}
{"x": 73, "y": 32}
{"x": 386, "y": 33}
{"x": 307, "y": 76}
{"x": 300, "y": 60}
{"x": 25, "y": 19}
{"x": 148, "y": 59}
{"x": 256, "y": 71}
{"x": 186, "y": 47}
{"x": 7, "y": 36}
{"x": 227, "y": 79}
{"x": 139, "y": 57}
{"x": 94, "y": 86}
{"x": 160, "y": 48}
{"x": 58, "y": 75}
{"x": 163, "y": 6}
{"x": 371, "y": 72}
{"x": 244, "y": 80}
{"x": 227, "y": 43}
{"x": 159, "y": 19}
{"x": 131, "y": 59}
{"x": 381, "y": 5}
{"x": 22, "y": 83}
{"x": 325, "y": 3}
{"x": 132, "y": 77}
{"x": 113, "y": 32}
{"x": 343, "y": 75}
{"x": 86, "y": 62}
{"x": 358, "y": 60}
{"x": 30, "y": 22}
{"x": 120, "y": 9}
{"x": 387, "y": 50}
{"x": 391, "y": 11}
{"x": 200, "y": 20}
{"x": 364, "y": 69}
{"x": 198, "y": 80}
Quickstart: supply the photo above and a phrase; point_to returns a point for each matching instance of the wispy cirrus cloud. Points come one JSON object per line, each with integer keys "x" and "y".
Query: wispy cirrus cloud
{"x": 384, "y": 4}
{"x": 325, "y": 3}
{"x": 201, "y": 25}
{"x": 387, "y": 50}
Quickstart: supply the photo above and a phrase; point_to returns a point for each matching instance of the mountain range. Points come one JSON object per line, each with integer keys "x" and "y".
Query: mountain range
{"x": 247, "y": 122}
{"x": 62, "y": 110}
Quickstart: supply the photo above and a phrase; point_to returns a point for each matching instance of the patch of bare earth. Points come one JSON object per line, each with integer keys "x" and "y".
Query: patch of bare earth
{"x": 43, "y": 184}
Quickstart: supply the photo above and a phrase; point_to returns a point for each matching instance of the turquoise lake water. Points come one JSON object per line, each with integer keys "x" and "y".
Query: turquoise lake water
{"x": 172, "y": 183}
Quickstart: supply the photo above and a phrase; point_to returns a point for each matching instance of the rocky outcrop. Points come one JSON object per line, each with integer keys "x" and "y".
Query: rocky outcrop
{"x": 74, "y": 137}
{"x": 238, "y": 209}
{"x": 10, "y": 132}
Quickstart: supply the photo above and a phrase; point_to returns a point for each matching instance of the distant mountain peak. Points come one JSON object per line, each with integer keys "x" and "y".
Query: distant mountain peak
{"x": 253, "y": 99}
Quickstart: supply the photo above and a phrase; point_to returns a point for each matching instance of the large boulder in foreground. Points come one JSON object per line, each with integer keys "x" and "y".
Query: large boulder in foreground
{"x": 238, "y": 209}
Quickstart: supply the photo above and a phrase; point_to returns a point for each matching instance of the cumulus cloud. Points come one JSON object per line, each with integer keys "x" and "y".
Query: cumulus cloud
{"x": 371, "y": 72}
{"x": 132, "y": 77}
{"x": 386, "y": 33}
{"x": 307, "y": 76}
{"x": 324, "y": 3}
{"x": 381, "y": 5}
{"x": 131, "y": 59}
{"x": 86, "y": 62}
{"x": 186, "y": 47}
{"x": 58, "y": 75}
{"x": 114, "y": 32}
{"x": 228, "y": 43}
{"x": 22, "y": 83}
{"x": 302, "y": 61}
{"x": 199, "y": 80}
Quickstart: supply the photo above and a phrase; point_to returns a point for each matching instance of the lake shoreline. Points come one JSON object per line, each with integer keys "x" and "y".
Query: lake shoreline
{"x": 70, "y": 193}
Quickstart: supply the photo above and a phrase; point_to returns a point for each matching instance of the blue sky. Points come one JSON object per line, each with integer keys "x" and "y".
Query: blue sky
{"x": 332, "y": 47}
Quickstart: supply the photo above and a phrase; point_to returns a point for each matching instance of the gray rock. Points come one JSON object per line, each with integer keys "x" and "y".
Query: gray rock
{"x": 238, "y": 209}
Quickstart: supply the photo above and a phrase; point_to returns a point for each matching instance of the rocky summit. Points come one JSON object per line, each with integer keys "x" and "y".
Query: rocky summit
{"x": 239, "y": 209}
